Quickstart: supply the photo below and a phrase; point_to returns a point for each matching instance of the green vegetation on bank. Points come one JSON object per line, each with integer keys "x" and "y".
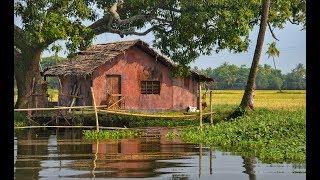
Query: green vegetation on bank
{"x": 231, "y": 76}
{"x": 20, "y": 119}
{"x": 271, "y": 135}
{"x": 110, "y": 134}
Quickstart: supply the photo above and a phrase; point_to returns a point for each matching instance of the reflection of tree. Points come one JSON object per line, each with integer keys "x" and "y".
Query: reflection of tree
{"x": 200, "y": 158}
{"x": 31, "y": 142}
{"x": 210, "y": 161}
{"x": 180, "y": 176}
{"x": 249, "y": 165}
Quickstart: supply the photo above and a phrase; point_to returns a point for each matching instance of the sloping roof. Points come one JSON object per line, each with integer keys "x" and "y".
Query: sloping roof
{"x": 85, "y": 62}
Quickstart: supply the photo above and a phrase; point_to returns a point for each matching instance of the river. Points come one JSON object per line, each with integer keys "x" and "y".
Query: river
{"x": 64, "y": 154}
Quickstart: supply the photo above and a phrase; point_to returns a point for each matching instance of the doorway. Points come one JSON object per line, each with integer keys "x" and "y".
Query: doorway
{"x": 113, "y": 91}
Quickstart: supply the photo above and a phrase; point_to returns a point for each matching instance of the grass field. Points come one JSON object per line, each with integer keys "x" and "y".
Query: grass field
{"x": 270, "y": 99}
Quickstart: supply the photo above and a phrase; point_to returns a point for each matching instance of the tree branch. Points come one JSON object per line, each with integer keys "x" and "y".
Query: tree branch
{"x": 163, "y": 20}
{"x": 131, "y": 32}
{"x": 293, "y": 22}
{"x": 273, "y": 35}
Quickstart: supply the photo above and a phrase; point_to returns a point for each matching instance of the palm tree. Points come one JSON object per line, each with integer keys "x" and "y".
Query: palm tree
{"x": 273, "y": 52}
{"x": 255, "y": 62}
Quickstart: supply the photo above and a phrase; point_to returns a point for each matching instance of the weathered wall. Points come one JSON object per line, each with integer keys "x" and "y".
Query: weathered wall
{"x": 67, "y": 83}
{"x": 184, "y": 93}
{"x": 135, "y": 66}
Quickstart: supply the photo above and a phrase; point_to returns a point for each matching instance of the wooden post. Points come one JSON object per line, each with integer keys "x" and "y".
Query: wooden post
{"x": 95, "y": 108}
{"x": 211, "y": 118}
{"x": 200, "y": 105}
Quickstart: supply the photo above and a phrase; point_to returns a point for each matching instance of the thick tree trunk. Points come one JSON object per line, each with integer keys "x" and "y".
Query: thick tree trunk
{"x": 255, "y": 62}
{"x": 31, "y": 87}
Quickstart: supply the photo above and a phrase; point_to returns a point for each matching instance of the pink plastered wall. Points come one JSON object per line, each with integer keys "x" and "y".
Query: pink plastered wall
{"x": 135, "y": 66}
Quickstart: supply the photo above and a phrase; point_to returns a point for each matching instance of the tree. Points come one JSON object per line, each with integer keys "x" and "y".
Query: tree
{"x": 255, "y": 62}
{"x": 274, "y": 52}
{"x": 296, "y": 79}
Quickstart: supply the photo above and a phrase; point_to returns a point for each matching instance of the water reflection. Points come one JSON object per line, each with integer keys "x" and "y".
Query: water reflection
{"x": 249, "y": 165}
{"x": 63, "y": 153}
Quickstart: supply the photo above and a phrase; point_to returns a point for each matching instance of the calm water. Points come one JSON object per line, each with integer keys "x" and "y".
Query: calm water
{"x": 52, "y": 154}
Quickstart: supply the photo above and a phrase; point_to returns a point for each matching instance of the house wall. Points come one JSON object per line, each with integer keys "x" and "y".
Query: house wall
{"x": 135, "y": 66}
{"x": 184, "y": 93}
{"x": 67, "y": 83}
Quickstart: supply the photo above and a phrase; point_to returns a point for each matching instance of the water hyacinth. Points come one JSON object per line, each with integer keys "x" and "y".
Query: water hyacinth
{"x": 110, "y": 134}
{"x": 272, "y": 136}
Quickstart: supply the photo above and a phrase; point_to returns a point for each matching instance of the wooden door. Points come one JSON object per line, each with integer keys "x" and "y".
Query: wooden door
{"x": 113, "y": 90}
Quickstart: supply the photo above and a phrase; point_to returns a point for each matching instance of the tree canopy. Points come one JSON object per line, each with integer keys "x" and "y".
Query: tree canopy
{"x": 183, "y": 29}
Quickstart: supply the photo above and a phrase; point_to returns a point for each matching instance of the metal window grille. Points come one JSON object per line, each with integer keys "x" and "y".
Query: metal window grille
{"x": 150, "y": 87}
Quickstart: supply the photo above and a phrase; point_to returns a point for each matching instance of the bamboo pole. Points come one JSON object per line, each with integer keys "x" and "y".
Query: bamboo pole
{"x": 95, "y": 108}
{"x": 211, "y": 117}
{"x": 115, "y": 103}
{"x": 59, "y": 108}
{"x": 200, "y": 105}
{"x": 84, "y": 127}
{"x": 152, "y": 115}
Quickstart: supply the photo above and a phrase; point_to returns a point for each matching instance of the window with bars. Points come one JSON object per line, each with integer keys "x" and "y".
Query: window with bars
{"x": 150, "y": 87}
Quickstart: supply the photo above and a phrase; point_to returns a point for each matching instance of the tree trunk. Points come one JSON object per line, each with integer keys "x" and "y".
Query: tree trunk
{"x": 255, "y": 62}
{"x": 31, "y": 87}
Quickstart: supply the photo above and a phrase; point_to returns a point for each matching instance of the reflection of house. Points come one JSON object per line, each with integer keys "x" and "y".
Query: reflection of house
{"x": 137, "y": 157}
{"x": 128, "y": 69}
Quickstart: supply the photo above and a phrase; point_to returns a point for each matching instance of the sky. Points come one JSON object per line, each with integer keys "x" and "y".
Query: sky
{"x": 291, "y": 44}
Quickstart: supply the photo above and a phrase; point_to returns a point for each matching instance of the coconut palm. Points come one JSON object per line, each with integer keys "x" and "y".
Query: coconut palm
{"x": 273, "y": 52}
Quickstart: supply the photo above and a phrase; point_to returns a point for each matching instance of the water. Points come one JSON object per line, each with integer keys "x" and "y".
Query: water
{"x": 52, "y": 154}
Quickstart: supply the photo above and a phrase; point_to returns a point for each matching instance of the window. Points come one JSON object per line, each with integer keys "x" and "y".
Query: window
{"x": 150, "y": 87}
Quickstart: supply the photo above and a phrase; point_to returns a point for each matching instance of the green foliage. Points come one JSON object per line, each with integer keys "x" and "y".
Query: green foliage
{"x": 46, "y": 62}
{"x": 274, "y": 136}
{"x": 110, "y": 134}
{"x": 160, "y": 123}
{"x": 272, "y": 50}
{"x": 229, "y": 76}
{"x": 50, "y": 61}
{"x": 172, "y": 135}
{"x": 45, "y": 21}
{"x": 296, "y": 78}
{"x": 183, "y": 30}
{"x": 20, "y": 119}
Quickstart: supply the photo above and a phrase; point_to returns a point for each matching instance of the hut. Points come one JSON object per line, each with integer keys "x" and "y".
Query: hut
{"x": 128, "y": 75}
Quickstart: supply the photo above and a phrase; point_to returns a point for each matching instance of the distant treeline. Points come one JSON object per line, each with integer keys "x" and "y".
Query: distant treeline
{"x": 230, "y": 76}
